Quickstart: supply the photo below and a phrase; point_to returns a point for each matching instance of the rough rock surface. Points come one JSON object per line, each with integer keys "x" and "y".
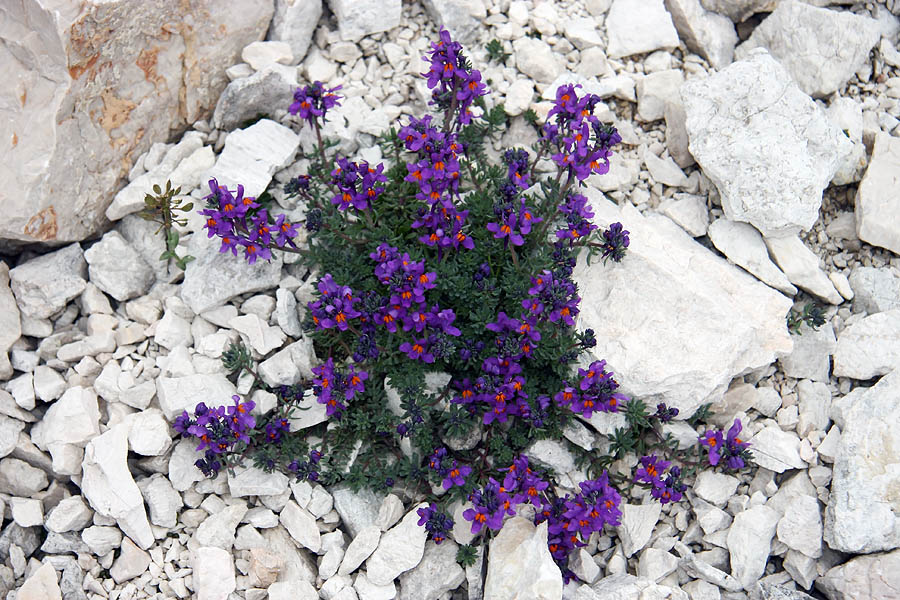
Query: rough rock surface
{"x": 400, "y": 549}
{"x": 520, "y": 564}
{"x": 294, "y": 22}
{"x": 639, "y": 26}
{"x": 870, "y": 347}
{"x": 709, "y": 34}
{"x": 10, "y": 322}
{"x": 877, "y": 204}
{"x": 252, "y": 155}
{"x": 766, "y": 145}
{"x": 45, "y": 284}
{"x": 264, "y": 92}
{"x": 821, "y": 48}
{"x": 357, "y": 18}
{"x": 117, "y": 269}
{"x": 96, "y": 83}
{"x": 862, "y": 515}
{"x": 744, "y": 246}
{"x": 109, "y": 487}
{"x": 877, "y": 575}
{"x": 748, "y": 543}
{"x": 647, "y": 308}
{"x": 739, "y": 10}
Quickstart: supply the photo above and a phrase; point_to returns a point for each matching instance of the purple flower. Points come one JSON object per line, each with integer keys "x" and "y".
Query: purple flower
{"x": 651, "y": 470}
{"x": 313, "y": 101}
{"x": 712, "y": 439}
{"x": 286, "y": 232}
{"x": 436, "y": 523}
{"x": 456, "y": 475}
{"x": 734, "y": 447}
{"x": 507, "y": 228}
{"x": 490, "y": 505}
{"x": 254, "y": 251}
{"x": 417, "y": 350}
{"x": 615, "y": 242}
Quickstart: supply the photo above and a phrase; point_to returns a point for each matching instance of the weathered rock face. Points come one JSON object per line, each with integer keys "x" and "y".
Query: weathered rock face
{"x": 96, "y": 82}
{"x": 670, "y": 297}
{"x": 821, "y": 48}
{"x": 766, "y": 145}
{"x": 862, "y": 514}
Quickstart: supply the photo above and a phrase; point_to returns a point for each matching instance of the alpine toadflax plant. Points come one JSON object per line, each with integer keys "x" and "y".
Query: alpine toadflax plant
{"x": 445, "y": 313}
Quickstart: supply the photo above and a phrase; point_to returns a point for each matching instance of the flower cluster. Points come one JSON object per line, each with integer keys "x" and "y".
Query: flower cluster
{"x": 731, "y": 448}
{"x": 307, "y": 469}
{"x": 583, "y": 145}
{"x": 551, "y": 298}
{"x": 438, "y": 524}
{"x": 335, "y": 307}
{"x": 238, "y": 220}
{"x": 514, "y": 217}
{"x": 436, "y": 174}
{"x": 455, "y": 84}
{"x": 218, "y": 430}
{"x": 357, "y": 184}
{"x": 450, "y": 471}
{"x": 407, "y": 282}
{"x": 595, "y": 392}
{"x": 332, "y": 387}
{"x": 578, "y": 214}
{"x": 615, "y": 242}
{"x": 313, "y": 101}
{"x": 651, "y": 471}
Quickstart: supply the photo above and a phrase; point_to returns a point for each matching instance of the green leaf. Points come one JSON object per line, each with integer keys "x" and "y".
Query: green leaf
{"x": 187, "y": 207}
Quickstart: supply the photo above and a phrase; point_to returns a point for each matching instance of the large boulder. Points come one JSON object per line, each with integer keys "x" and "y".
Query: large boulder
{"x": 767, "y": 146}
{"x": 92, "y": 85}
{"x": 673, "y": 321}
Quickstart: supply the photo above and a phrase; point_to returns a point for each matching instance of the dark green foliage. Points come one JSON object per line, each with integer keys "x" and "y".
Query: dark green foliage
{"x": 812, "y": 314}
{"x": 162, "y": 208}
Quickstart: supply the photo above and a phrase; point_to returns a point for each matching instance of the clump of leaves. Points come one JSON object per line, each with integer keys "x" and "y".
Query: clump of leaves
{"x": 812, "y": 314}
{"x": 162, "y": 207}
{"x": 495, "y": 51}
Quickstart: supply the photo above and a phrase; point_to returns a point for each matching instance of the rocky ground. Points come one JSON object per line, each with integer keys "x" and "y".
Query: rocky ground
{"x": 759, "y": 171}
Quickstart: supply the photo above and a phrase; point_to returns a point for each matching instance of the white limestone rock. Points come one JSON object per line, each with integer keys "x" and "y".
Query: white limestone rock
{"x": 44, "y": 285}
{"x": 10, "y": 322}
{"x": 366, "y": 590}
{"x": 131, "y": 562}
{"x": 286, "y": 313}
{"x": 639, "y": 26}
{"x": 553, "y": 454}
{"x": 359, "y": 18}
{"x": 262, "y": 93}
{"x": 26, "y": 512}
{"x": 745, "y": 247}
{"x": 652, "y": 92}
{"x": 623, "y": 586}
{"x": 859, "y": 517}
{"x": 301, "y": 525}
{"x": 739, "y": 10}
{"x": 107, "y": 484}
{"x": 213, "y": 573}
{"x": 715, "y": 488}
{"x": 176, "y": 394}
{"x": 636, "y": 525}
{"x": 40, "y": 585}
{"x": 776, "y": 450}
{"x": 71, "y": 514}
{"x": 400, "y": 549}
{"x": 869, "y": 347}
{"x": 518, "y": 97}
{"x": 734, "y": 323}
{"x": 162, "y": 500}
{"x": 689, "y": 211}
{"x": 766, "y": 145}
{"x": 877, "y": 204}
{"x": 149, "y": 434}
{"x": 218, "y": 529}
{"x": 9, "y": 434}
{"x": 801, "y": 266}
{"x": 101, "y": 539}
{"x": 252, "y": 155}
{"x": 520, "y": 565}
{"x": 73, "y": 419}
{"x": 802, "y": 38}
{"x": 362, "y": 546}
{"x": 622, "y": 176}
{"x": 462, "y": 18}
{"x": 117, "y": 269}
{"x": 260, "y": 55}
{"x": 749, "y": 540}
{"x": 814, "y": 407}
{"x": 250, "y": 481}
{"x": 294, "y": 22}
{"x": 213, "y": 278}
{"x": 356, "y": 509}
{"x": 536, "y": 59}
{"x": 878, "y": 575}
{"x": 257, "y": 333}
{"x": 801, "y": 526}
{"x": 664, "y": 170}
{"x": 875, "y": 289}
{"x": 811, "y": 356}
{"x": 437, "y": 574}
{"x": 710, "y": 35}
{"x": 654, "y": 564}
{"x": 18, "y": 478}
{"x": 288, "y": 366}
{"x": 139, "y": 88}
